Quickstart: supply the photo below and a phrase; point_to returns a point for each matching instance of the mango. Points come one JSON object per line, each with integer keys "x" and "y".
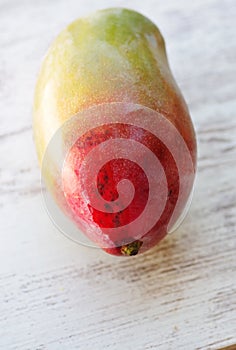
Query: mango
{"x": 113, "y": 133}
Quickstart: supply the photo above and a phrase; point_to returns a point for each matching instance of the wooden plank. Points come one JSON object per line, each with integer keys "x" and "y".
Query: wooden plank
{"x": 180, "y": 295}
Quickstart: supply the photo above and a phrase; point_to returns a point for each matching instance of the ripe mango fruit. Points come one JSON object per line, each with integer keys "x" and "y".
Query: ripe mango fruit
{"x": 128, "y": 158}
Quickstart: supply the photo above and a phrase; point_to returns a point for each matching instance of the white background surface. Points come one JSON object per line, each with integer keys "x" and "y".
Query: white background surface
{"x": 55, "y": 294}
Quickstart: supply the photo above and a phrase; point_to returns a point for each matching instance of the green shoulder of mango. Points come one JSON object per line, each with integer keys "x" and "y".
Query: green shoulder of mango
{"x": 114, "y": 26}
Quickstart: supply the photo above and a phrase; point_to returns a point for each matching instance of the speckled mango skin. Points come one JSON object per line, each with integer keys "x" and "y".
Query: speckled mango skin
{"x": 113, "y": 55}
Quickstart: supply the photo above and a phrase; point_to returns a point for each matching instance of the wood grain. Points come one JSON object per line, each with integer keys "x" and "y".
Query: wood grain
{"x": 180, "y": 295}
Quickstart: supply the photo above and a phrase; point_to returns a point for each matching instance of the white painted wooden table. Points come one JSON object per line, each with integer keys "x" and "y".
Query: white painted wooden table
{"x": 57, "y": 295}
